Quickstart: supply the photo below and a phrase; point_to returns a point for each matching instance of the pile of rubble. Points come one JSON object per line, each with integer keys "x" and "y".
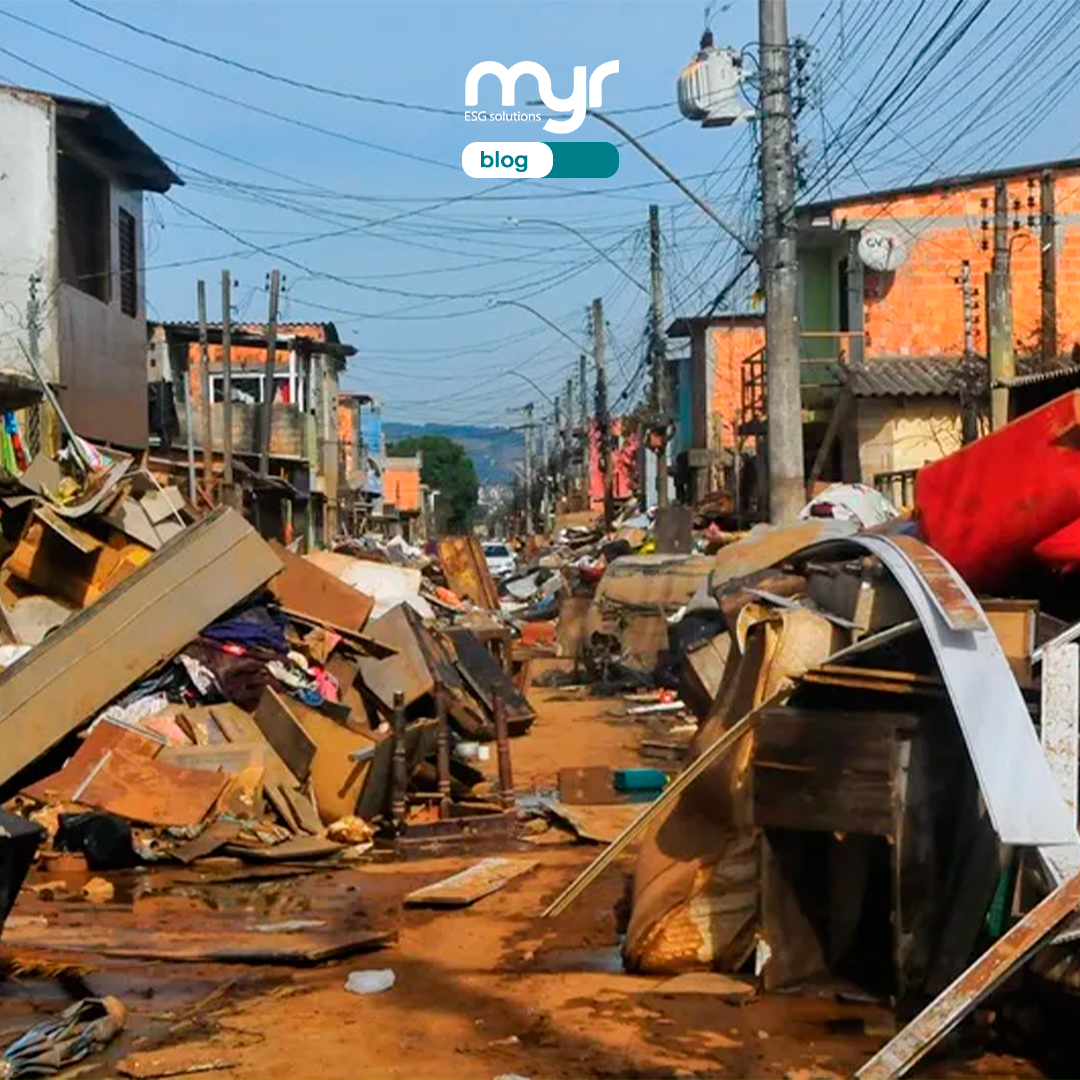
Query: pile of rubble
{"x": 175, "y": 689}
{"x": 881, "y": 795}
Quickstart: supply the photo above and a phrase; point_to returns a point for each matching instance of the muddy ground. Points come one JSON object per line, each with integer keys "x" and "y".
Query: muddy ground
{"x": 484, "y": 992}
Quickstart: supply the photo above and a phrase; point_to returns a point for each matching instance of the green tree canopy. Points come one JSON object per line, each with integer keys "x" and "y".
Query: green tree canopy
{"x": 447, "y": 469}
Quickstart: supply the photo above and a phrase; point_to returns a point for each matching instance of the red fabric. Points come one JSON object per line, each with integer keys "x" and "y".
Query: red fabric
{"x": 988, "y": 506}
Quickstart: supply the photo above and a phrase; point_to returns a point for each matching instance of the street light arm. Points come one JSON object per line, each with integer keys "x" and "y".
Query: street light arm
{"x": 544, "y": 319}
{"x": 585, "y": 240}
{"x": 519, "y": 375}
{"x": 700, "y": 203}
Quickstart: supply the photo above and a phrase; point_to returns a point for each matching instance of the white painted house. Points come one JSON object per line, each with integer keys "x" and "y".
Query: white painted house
{"x": 72, "y": 177}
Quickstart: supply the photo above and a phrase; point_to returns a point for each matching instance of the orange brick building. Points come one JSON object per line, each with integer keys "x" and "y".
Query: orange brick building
{"x": 892, "y": 304}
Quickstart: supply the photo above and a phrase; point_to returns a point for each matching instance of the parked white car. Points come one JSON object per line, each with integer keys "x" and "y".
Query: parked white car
{"x": 500, "y": 559}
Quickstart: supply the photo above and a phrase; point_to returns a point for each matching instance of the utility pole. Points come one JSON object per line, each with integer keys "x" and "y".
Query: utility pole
{"x": 659, "y": 360}
{"x": 583, "y": 429}
{"x": 37, "y": 433}
{"x": 268, "y": 380}
{"x": 778, "y": 259}
{"x": 226, "y": 385}
{"x": 528, "y": 411}
{"x": 557, "y": 451}
{"x": 204, "y": 387}
{"x": 545, "y": 476}
{"x": 969, "y": 421}
{"x": 603, "y": 420}
{"x": 1048, "y": 248}
{"x": 999, "y": 311}
{"x": 568, "y": 439}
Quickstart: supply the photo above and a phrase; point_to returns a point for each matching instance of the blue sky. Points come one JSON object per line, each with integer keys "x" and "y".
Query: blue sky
{"x": 413, "y": 283}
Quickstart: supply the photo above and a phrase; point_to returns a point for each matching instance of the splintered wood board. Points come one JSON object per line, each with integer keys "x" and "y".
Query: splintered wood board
{"x": 478, "y": 881}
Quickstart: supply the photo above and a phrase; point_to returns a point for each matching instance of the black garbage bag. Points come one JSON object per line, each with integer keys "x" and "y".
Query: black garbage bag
{"x": 104, "y": 839}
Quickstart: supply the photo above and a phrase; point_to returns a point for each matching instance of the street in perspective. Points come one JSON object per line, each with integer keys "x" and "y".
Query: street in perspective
{"x": 539, "y": 541}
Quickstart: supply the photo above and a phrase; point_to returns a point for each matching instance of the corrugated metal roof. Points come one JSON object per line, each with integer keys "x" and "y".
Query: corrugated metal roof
{"x": 906, "y": 376}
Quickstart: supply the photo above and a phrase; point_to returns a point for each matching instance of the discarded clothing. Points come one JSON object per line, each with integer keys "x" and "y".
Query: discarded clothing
{"x": 258, "y": 627}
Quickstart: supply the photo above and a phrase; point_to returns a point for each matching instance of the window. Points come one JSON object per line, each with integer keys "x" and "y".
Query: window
{"x": 83, "y": 198}
{"x": 247, "y": 389}
{"x": 129, "y": 277}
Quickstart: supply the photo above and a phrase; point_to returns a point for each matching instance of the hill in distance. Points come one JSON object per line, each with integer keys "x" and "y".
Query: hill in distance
{"x": 494, "y": 451}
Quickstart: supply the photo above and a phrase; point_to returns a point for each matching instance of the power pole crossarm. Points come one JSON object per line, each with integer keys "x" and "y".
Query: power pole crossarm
{"x": 779, "y": 263}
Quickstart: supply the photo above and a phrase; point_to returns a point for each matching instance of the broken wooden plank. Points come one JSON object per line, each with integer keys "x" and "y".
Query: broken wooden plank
{"x": 136, "y": 626}
{"x": 706, "y": 984}
{"x": 230, "y": 945}
{"x": 224, "y": 757}
{"x": 304, "y": 587}
{"x": 217, "y": 834}
{"x": 478, "y": 881}
{"x": 285, "y": 733}
{"x": 300, "y": 847}
{"x": 1006, "y": 955}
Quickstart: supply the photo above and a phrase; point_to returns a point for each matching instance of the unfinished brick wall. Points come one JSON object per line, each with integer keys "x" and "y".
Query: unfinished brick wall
{"x": 918, "y": 309}
{"x": 728, "y": 347}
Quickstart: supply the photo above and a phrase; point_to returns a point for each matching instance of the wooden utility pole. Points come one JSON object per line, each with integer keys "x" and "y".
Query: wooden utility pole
{"x": 661, "y": 405}
{"x": 999, "y": 311}
{"x": 268, "y": 378}
{"x": 603, "y": 420}
{"x": 226, "y": 384}
{"x": 780, "y": 268}
{"x": 528, "y": 411}
{"x": 1048, "y": 248}
{"x": 583, "y": 428}
{"x": 204, "y": 389}
{"x": 557, "y": 452}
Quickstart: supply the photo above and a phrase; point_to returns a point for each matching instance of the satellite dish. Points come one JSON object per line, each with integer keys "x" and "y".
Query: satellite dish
{"x": 881, "y": 250}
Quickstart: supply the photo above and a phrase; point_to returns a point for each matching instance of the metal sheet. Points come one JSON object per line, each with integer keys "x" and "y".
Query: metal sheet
{"x": 942, "y": 584}
{"x": 1022, "y": 798}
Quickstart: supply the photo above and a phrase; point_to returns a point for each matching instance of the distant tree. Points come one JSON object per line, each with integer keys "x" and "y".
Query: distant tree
{"x": 447, "y": 469}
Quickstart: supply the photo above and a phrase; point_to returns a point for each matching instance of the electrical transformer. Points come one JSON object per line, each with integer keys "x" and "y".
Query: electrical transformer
{"x": 709, "y": 87}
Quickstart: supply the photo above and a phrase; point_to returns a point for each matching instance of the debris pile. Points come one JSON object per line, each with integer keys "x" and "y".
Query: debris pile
{"x": 881, "y": 795}
{"x": 219, "y": 694}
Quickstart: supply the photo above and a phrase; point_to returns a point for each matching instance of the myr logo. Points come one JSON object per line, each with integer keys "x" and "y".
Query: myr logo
{"x": 574, "y": 104}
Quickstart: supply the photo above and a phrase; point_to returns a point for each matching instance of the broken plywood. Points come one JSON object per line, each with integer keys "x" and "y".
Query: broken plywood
{"x": 306, "y": 587}
{"x": 135, "y": 627}
{"x": 478, "y": 881}
{"x": 336, "y": 779}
